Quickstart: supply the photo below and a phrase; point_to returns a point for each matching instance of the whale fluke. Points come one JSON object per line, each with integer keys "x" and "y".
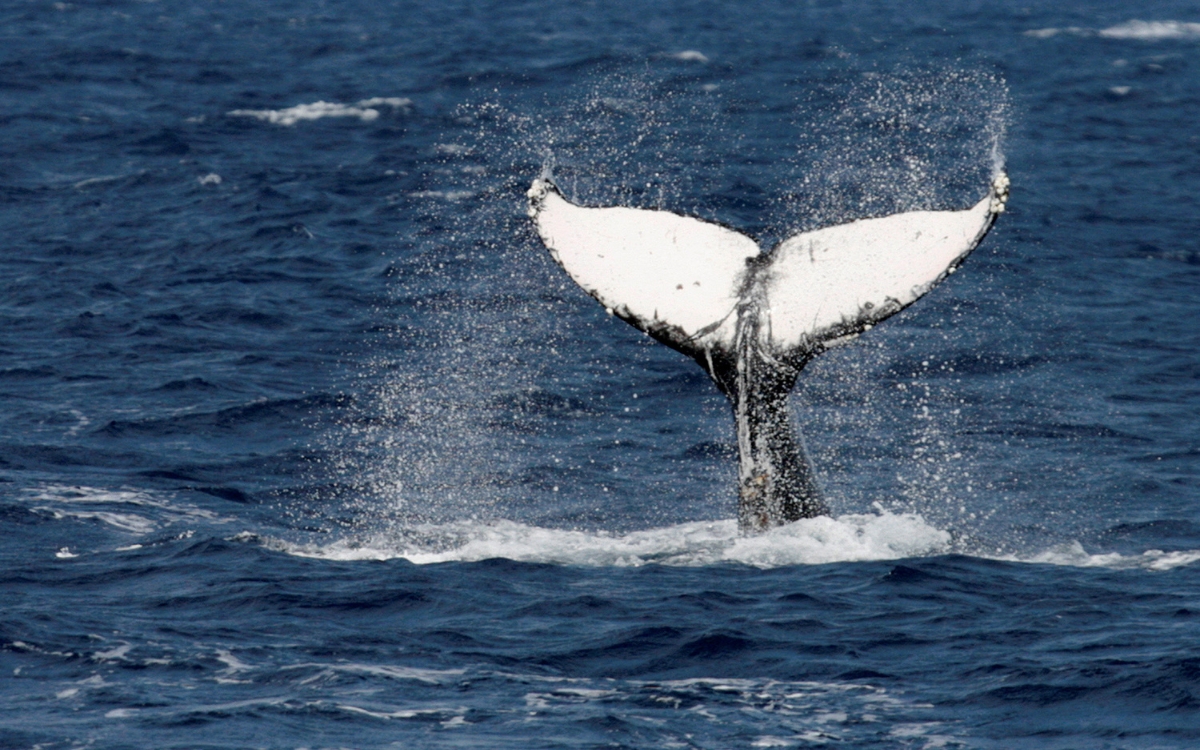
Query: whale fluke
{"x": 751, "y": 319}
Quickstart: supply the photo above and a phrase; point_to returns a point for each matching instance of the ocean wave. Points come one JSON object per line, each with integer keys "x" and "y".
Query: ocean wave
{"x": 365, "y": 110}
{"x": 759, "y": 712}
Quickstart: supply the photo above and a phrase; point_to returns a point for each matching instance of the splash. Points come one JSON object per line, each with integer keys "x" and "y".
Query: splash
{"x": 488, "y": 394}
{"x": 816, "y": 541}
{"x": 885, "y": 142}
{"x": 883, "y": 536}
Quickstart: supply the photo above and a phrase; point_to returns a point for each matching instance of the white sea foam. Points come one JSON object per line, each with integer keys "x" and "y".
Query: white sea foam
{"x": 129, "y": 510}
{"x": 454, "y": 713}
{"x": 1149, "y": 31}
{"x": 777, "y": 713}
{"x": 117, "y": 653}
{"x": 231, "y": 662}
{"x": 882, "y": 536}
{"x": 365, "y": 110}
{"x": 449, "y": 195}
{"x": 233, "y": 666}
{"x": 99, "y": 180}
{"x": 691, "y": 55}
{"x": 428, "y": 676}
{"x": 815, "y": 541}
{"x": 1052, "y": 31}
{"x": 130, "y": 522}
{"x": 781, "y": 714}
{"x": 1074, "y": 555}
{"x": 83, "y": 494}
{"x": 1153, "y": 30}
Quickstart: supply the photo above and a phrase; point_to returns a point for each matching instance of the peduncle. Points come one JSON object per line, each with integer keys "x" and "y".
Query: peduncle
{"x": 776, "y": 483}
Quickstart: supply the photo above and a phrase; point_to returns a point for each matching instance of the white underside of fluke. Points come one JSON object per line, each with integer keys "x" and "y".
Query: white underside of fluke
{"x": 843, "y": 278}
{"x": 650, "y": 267}
{"x": 682, "y": 278}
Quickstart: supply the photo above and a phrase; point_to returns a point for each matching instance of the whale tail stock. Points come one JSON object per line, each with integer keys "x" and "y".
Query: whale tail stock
{"x": 753, "y": 320}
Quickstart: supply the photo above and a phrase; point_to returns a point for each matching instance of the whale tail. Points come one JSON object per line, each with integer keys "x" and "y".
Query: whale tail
{"x": 751, "y": 319}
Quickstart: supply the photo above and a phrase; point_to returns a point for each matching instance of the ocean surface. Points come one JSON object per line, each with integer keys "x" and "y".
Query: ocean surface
{"x": 306, "y": 442}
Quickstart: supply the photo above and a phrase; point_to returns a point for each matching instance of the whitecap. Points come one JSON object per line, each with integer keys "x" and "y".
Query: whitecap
{"x": 84, "y": 494}
{"x": 231, "y": 662}
{"x": 1074, "y": 555}
{"x": 449, "y": 195}
{"x": 395, "y": 102}
{"x": 29, "y": 647}
{"x": 365, "y": 110}
{"x": 1152, "y": 30}
{"x": 98, "y": 180}
{"x": 772, "y": 741}
{"x": 413, "y": 713}
{"x": 691, "y": 55}
{"x": 80, "y": 425}
{"x": 220, "y": 708}
{"x": 129, "y": 522}
{"x": 64, "y": 501}
{"x": 418, "y": 674}
{"x": 1149, "y": 31}
{"x": 1052, "y": 31}
{"x": 114, "y": 654}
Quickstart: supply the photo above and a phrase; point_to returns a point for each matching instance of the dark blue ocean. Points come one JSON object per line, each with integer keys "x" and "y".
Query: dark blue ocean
{"x": 306, "y": 442}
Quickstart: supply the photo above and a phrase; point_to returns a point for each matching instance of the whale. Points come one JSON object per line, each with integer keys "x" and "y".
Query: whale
{"x": 753, "y": 318}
